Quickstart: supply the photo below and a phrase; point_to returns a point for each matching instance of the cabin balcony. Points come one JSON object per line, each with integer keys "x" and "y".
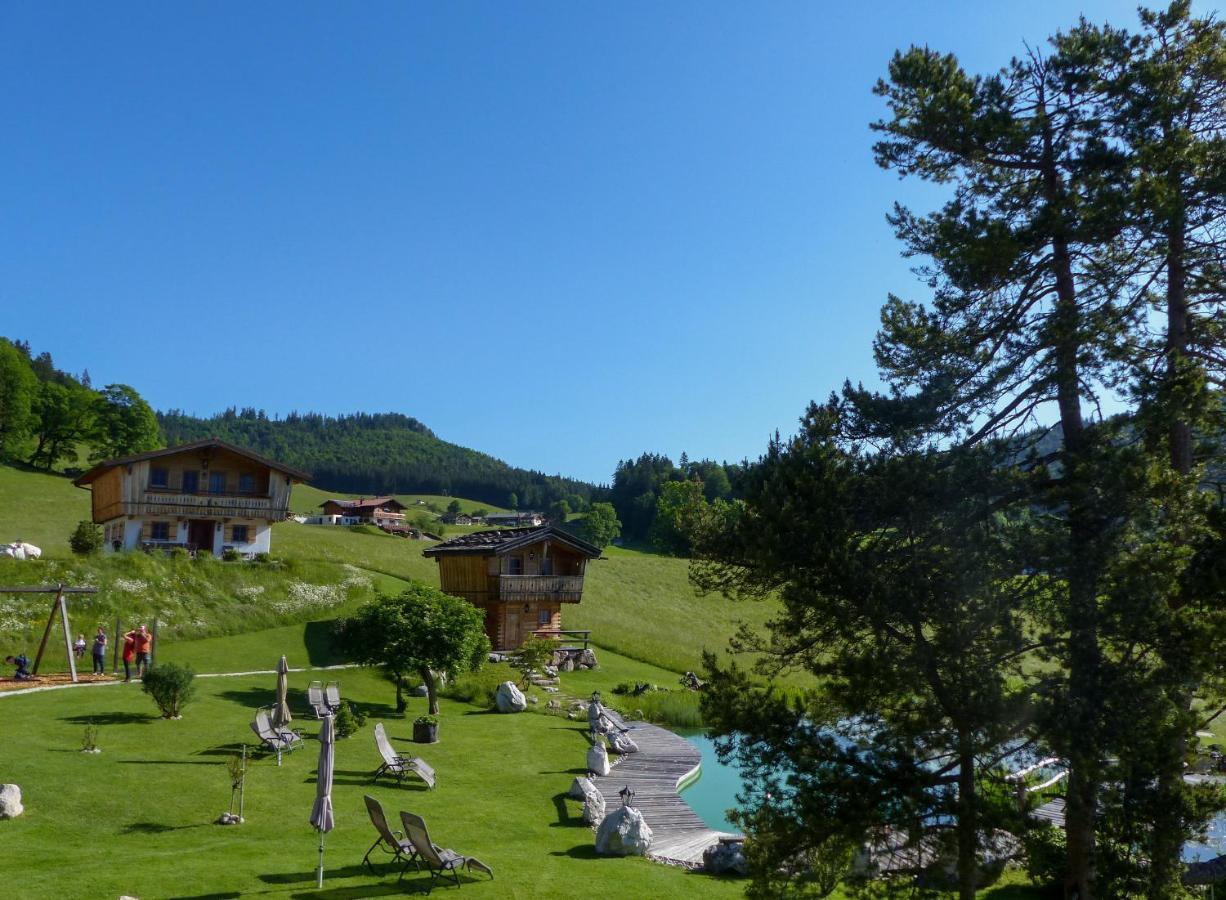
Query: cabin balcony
{"x": 527, "y": 588}
{"x": 205, "y": 505}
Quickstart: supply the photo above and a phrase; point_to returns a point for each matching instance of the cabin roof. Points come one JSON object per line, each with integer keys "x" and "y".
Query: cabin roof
{"x": 207, "y": 444}
{"x": 500, "y": 541}
{"x": 365, "y": 503}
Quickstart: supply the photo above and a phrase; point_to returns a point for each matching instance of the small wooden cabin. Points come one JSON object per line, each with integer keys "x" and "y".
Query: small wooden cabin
{"x": 208, "y": 496}
{"x": 519, "y": 577}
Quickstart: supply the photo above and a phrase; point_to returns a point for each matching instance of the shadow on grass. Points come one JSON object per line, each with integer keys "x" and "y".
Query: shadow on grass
{"x": 169, "y": 762}
{"x": 565, "y": 819}
{"x": 351, "y": 893}
{"x": 114, "y": 718}
{"x": 317, "y": 636}
{"x": 252, "y": 698}
{"x": 156, "y": 827}
{"x": 225, "y": 750}
{"x": 224, "y": 895}
{"x": 352, "y": 871}
{"x": 583, "y": 851}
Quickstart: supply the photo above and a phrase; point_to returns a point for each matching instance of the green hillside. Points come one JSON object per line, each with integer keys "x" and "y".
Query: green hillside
{"x": 636, "y": 603}
{"x": 306, "y": 500}
{"x": 376, "y": 454}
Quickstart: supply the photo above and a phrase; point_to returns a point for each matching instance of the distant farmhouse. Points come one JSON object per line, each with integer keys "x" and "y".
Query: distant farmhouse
{"x": 515, "y": 519}
{"x": 208, "y": 496}
{"x": 381, "y": 511}
{"x": 519, "y": 577}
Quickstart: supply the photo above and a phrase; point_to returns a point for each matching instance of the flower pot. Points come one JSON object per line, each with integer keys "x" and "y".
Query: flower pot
{"x": 425, "y": 732}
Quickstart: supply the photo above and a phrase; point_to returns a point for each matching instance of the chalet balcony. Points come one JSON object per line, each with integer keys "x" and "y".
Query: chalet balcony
{"x": 205, "y": 505}
{"x": 560, "y": 588}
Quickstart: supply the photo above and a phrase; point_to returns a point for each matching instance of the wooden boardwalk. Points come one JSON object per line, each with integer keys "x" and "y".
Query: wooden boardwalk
{"x": 664, "y": 760}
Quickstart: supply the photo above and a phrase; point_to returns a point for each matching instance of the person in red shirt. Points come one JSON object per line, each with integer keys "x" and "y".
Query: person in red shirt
{"x": 129, "y": 653}
{"x": 141, "y": 639}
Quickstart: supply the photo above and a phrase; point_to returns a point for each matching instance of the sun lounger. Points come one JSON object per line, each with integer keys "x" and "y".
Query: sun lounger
{"x": 438, "y": 860}
{"x": 315, "y": 696}
{"x": 287, "y": 735}
{"x": 396, "y": 765}
{"x": 392, "y": 842}
{"x": 273, "y": 740}
{"x": 332, "y": 695}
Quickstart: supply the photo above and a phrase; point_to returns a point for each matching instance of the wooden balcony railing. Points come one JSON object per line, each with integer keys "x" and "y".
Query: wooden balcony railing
{"x": 563, "y": 588}
{"x": 174, "y": 503}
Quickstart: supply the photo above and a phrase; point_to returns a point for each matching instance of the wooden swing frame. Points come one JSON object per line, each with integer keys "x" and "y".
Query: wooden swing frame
{"x": 58, "y": 606}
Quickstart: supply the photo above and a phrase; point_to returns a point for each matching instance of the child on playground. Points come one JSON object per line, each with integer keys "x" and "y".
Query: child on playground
{"x": 22, "y": 663}
{"x": 78, "y": 647}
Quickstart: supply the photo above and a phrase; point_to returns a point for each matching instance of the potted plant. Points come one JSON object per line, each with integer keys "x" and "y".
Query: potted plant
{"x": 425, "y": 729}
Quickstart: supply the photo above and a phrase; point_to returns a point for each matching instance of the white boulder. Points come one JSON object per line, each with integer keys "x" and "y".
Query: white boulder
{"x": 593, "y": 806}
{"x": 619, "y": 742}
{"x": 509, "y": 698}
{"x": 579, "y": 787}
{"x": 726, "y": 857}
{"x": 623, "y": 833}
{"x": 10, "y": 801}
{"x": 587, "y": 659}
{"x": 598, "y": 759}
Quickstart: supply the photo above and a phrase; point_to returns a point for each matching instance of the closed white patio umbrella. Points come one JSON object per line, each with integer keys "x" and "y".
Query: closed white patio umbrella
{"x": 321, "y": 812}
{"x": 281, "y": 716}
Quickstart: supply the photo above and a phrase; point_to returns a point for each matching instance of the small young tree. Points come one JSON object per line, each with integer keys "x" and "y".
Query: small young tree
{"x": 534, "y": 654}
{"x": 86, "y": 538}
{"x": 171, "y": 686}
{"x": 422, "y": 631}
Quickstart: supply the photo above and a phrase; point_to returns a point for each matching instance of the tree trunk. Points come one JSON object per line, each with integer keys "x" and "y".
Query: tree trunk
{"x": 1081, "y": 735}
{"x": 968, "y": 820}
{"x": 431, "y": 684}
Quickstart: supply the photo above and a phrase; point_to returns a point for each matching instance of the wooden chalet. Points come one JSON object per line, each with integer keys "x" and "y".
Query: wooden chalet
{"x": 519, "y": 577}
{"x": 207, "y": 496}
{"x": 369, "y": 511}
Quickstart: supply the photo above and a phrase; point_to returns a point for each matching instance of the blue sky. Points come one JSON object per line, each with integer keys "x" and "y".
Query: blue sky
{"x": 558, "y": 232}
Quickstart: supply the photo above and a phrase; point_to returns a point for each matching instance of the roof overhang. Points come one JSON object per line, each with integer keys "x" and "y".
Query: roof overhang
{"x": 210, "y": 444}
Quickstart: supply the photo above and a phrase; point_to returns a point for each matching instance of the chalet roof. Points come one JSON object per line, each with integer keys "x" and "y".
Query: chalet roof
{"x": 365, "y": 503}
{"x": 207, "y": 444}
{"x": 500, "y": 541}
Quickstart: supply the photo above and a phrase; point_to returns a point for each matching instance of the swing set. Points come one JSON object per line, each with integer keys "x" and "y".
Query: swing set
{"x": 59, "y": 607}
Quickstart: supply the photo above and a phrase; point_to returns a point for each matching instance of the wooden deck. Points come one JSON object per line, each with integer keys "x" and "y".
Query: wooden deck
{"x": 664, "y": 760}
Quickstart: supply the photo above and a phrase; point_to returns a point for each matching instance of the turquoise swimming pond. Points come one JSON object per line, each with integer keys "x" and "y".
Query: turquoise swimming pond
{"x": 716, "y": 788}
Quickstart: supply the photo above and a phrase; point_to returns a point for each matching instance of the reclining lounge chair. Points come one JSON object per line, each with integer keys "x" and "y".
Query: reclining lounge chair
{"x": 438, "y": 860}
{"x": 399, "y": 766}
{"x": 388, "y": 841}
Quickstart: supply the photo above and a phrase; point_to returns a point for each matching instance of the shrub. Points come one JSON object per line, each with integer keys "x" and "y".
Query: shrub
{"x": 179, "y": 553}
{"x": 262, "y": 558}
{"x": 170, "y": 685}
{"x": 1046, "y": 854}
{"x": 86, "y": 538}
{"x": 348, "y": 721}
{"x": 426, "y": 720}
{"x": 477, "y": 687}
{"x": 230, "y": 555}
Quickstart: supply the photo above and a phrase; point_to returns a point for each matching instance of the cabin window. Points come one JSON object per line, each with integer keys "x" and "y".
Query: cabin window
{"x": 546, "y": 566}
{"x": 246, "y": 484}
{"x": 159, "y": 476}
{"x": 240, "y": 534}
{"x": 217, "y": 482}
{"x": 191, "y": 482}
{"x": 159, "y": 531}
{"x": 515, "y": 565}
{"x": 544, "y": 617}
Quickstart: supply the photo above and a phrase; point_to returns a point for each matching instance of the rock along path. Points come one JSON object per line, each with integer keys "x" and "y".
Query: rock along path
{"x": 664, "y": 760}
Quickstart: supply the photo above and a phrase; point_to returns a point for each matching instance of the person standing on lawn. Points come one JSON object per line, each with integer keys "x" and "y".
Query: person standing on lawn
{"x": 100, "y": 651}
{"x": 143, "y": 642}
{"x": 129, "y": 653}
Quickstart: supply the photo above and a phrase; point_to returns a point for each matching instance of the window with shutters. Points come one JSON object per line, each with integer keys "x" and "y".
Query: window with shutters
{"x": 544, "y": 617}
{"x": 159, "y": 531}
{"x": 515, "y": 565}
{"x": 217, "y": 482}
{"x": 239, "y": 534}
{"x": 159, "y": 477}
{"x": 191, "y": 482}
{"x": 246, "y": 484}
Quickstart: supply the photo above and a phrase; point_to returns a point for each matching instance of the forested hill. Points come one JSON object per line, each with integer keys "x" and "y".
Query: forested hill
{"x": 377, "y": 453}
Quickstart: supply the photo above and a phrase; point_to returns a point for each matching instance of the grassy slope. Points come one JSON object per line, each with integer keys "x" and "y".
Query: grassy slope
{"x": 41, "y": 509}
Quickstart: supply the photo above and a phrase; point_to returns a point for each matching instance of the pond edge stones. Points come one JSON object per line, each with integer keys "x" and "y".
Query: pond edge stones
{"x": 624, "y": 832}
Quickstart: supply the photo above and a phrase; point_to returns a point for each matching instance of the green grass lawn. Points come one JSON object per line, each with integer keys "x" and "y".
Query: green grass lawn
{"x": 41, "y": 509}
